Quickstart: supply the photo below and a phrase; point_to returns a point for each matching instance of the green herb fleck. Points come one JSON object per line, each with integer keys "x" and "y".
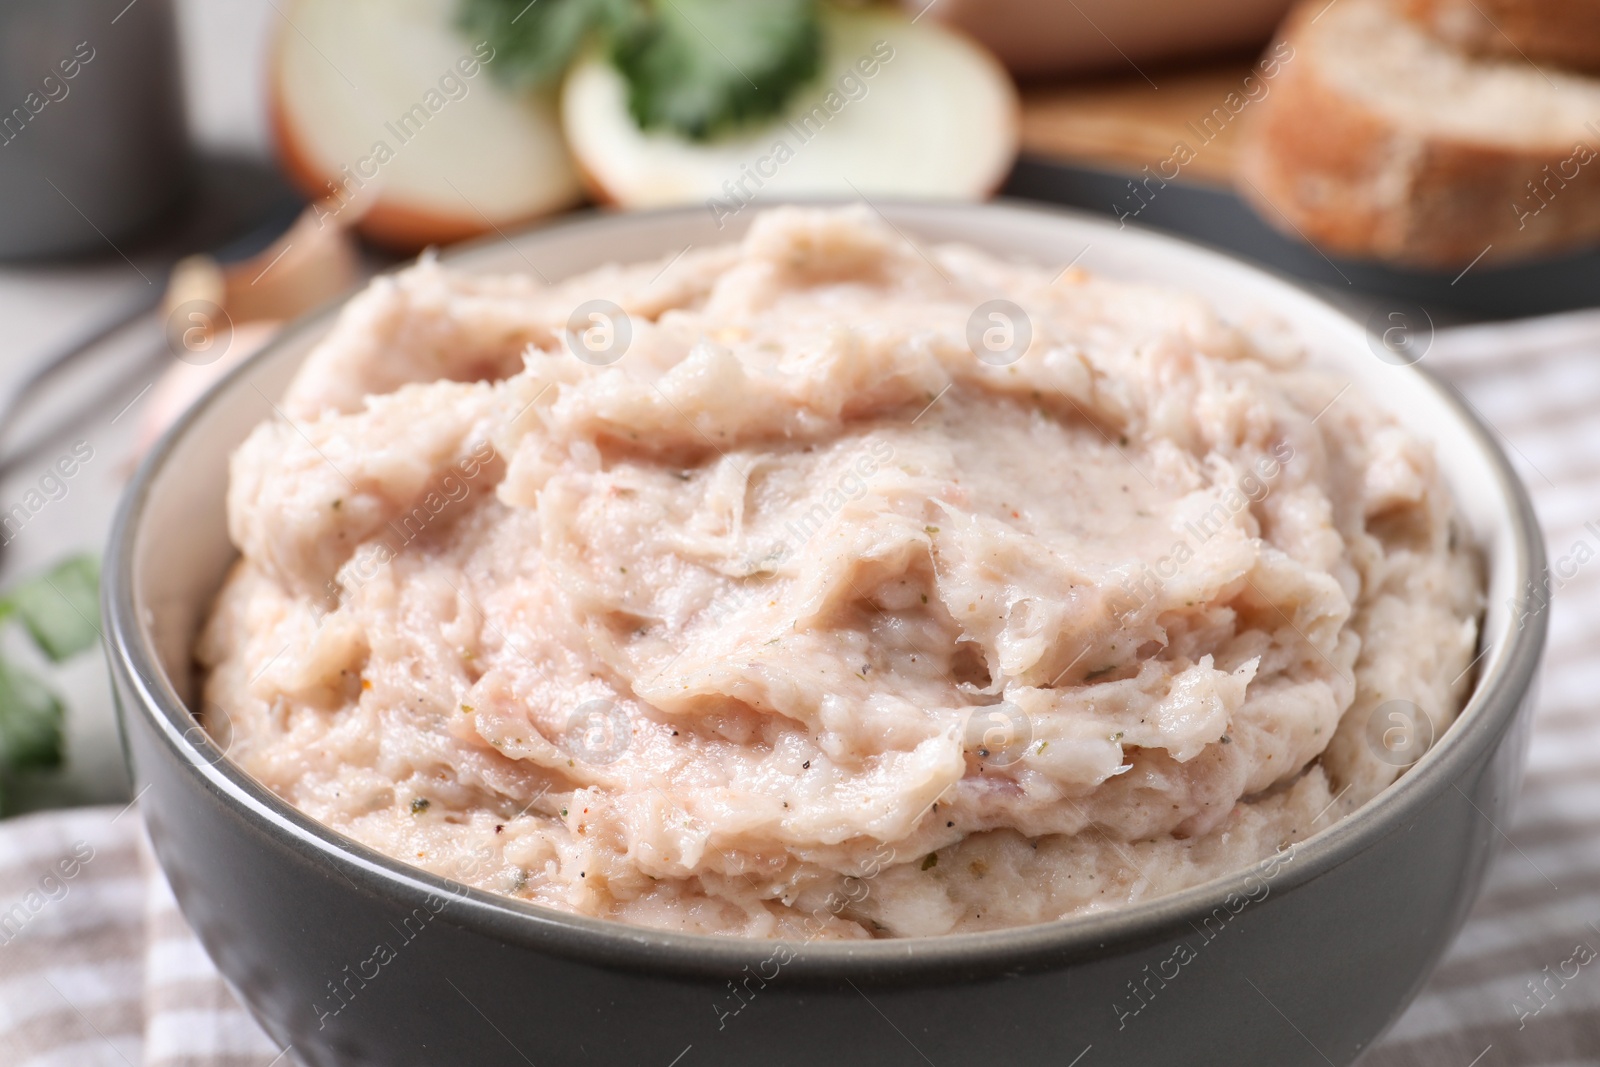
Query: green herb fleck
{"x": 30, "y": 722}
{"x": 534, "y": 42}
{"x": 700, "y": 67}
{"x": 420, "y": 805}
{"x": 60, "y": 608}
{"x": 930, "y": 861}
{"x": 695, "y": 67}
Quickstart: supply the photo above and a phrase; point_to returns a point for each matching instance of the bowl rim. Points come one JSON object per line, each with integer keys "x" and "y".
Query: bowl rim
{"x": 1499, "y": 693}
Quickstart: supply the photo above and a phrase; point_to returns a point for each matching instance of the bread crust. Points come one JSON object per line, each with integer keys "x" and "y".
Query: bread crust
{"x": 593, "y": 172}
{"x": 390, "y": 222}
{"x": 1321, "y": 165}
{"x": 1561, "y": 32}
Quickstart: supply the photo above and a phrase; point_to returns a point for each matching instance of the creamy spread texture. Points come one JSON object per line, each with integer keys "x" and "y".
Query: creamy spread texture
{"x": 821, "y": 593}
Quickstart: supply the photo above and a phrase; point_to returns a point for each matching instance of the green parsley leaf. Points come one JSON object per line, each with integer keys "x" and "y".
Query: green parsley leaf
{"x": 534, "y": 42}
{"x": 30, "y": 722}
{"x": 61, "y": 608}
{"x": 698, "y": 67}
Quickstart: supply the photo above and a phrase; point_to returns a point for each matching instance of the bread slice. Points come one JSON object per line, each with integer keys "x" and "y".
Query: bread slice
{"x": 1379, "y": 141}
{"x": 901, "y": 108}
{"x": 1563, "y": 32}
{"x": 382, "y": 111}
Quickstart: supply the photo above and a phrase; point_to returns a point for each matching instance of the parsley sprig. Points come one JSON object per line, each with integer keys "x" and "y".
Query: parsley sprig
{"x": 60, "y": 611}
{"x": 696, "y": 67}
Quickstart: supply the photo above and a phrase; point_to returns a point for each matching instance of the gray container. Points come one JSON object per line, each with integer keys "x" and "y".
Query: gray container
{"x": 1317, "y": 965}
{"x": 92, "y": 139}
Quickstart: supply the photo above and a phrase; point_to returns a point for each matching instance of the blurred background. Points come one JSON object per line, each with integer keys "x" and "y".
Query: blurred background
{"x": 179, "y": 177}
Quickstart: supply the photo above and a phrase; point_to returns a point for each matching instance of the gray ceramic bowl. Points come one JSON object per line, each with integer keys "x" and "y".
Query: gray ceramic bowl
{"x": 1304, "y": 964}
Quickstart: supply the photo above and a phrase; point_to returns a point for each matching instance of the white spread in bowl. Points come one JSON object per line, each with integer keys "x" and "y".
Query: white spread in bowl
{"x": 767, "y": 607}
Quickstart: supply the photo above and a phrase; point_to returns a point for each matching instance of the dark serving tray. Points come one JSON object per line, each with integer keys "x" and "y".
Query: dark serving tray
{"x": 1216, "y": 216}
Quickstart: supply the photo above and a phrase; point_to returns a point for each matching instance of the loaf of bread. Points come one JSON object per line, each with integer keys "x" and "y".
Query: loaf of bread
{"x": 1380, "y": 141}
{"x": 1562, "y": 32}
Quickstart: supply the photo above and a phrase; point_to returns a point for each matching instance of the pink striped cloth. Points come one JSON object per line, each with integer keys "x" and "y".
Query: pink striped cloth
{"x": 97, "y": 967}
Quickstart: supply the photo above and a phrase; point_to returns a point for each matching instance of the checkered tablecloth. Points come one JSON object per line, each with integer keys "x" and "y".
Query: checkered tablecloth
{"x": 97, "y": 968}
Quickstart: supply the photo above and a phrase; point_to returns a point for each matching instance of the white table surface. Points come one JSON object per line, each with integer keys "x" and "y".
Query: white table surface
{"x": 43, "y": 309}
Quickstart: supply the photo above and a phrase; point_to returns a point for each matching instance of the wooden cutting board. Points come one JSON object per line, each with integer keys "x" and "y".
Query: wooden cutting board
{"x": 1086, "y": 144}
{"x": 1128, "y": 123}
